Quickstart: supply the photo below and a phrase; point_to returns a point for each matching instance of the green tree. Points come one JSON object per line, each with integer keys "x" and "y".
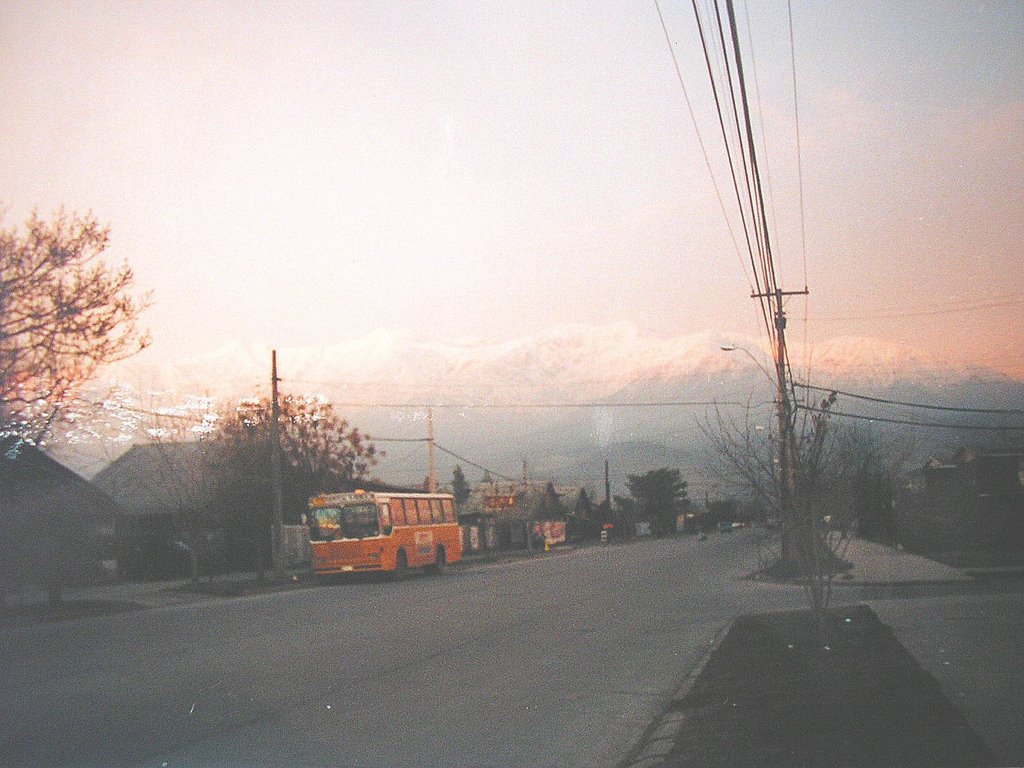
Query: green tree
{"x": 321, "y": 453}
{"x": 584, "y": 507}
{"x": 550, "y": 506}
{"x": 63, "y": 314}
{"x": 661, "y": 496}
{"x": 624, "y": 515}
{"x": 460, "y": 488}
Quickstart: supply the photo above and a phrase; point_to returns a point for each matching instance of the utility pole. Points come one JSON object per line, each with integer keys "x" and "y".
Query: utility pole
{"x": 784, "y": 414}
{"x": 607, "y": 488}
{"x": 431, "y": 463}
{"x": 276, "y": 537}
{"x": 528, "y": 499}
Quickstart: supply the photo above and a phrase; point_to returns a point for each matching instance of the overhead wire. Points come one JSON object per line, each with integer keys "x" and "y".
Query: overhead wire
{"x": 799, "y": 150}
{"x": 758, "y": 287}
{"x": 491, "y": 472}
{"x": 703, "y": 147}
{"x": 142, "y": 411}
{"x": 758, "y": 187}
{"x": 535, "y": 405}
{"x": 743, "y": 149}
{"x": 905, "y": 404}
{"x": 800, "y": 184}
{"x": 760, "y": 117}
{"x": 755, "y": 190}
{"x": 886, "y": 315}
{"x": 911, "y": 422}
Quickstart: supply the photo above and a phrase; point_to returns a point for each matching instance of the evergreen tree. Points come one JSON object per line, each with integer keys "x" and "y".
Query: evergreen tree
{"x": 460, "y": 488}
{"x": 584, "y": 508}
{"x": 661, "y": 496}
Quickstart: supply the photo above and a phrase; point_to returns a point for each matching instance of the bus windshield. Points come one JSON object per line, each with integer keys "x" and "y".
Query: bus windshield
{"x": 350, "y": 522}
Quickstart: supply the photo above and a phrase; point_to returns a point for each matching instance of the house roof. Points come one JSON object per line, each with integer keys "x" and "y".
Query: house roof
{"x": 30, "y": 480}
{"x": 161, "y": 477}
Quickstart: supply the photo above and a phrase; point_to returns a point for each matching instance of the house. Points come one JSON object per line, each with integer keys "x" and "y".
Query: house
{"x": 177, "y": 507}
{"x": 58, "y": 527}
{"x": 166, "y": 491}
{"x": 972, "y": 500}
{"x": 511, "y": 515}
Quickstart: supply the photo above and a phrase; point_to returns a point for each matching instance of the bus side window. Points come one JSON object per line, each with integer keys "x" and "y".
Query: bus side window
{"x": 436, "y": 514}
{"x": 397, "y": 513}
{"x": 449, "y": 510}
{"x": 385, "y": 516}
{"x": 423, "y": 508}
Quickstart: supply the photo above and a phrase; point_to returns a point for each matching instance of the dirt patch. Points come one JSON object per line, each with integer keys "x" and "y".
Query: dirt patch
{"x": 777, "y": 692}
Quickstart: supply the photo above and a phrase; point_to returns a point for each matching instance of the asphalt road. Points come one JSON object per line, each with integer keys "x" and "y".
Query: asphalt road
{"x": 556, "y": 661}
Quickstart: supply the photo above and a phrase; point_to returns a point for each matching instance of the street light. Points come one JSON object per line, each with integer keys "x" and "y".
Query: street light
{"x": 747, "y": 352}
{"x": 786, "y": 456}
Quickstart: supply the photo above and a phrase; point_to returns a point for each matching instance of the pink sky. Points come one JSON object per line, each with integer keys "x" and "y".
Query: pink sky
{"x": 295, "y": 174}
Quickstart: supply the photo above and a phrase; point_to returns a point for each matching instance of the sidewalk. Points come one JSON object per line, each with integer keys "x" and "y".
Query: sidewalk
{"x": 970, "y": 643}
{"x": 115, "y": 597}
{"x": 128, "y": 595}
{"x": 878, "y": 564}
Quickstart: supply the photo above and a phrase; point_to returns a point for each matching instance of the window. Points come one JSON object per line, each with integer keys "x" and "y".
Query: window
{"x": 436, "y": 513}
{"x": 397, "y": 512}
{"x": 359, "y": 521}
{"x": 449, "y": 510}
{"x": 423, "y": 508}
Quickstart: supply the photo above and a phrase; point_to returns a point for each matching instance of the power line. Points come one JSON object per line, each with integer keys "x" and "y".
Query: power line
{"x": 760, "y": 117}
{"x": 473, "y": 463}
{"x": 538, "y": 406}
{"x": 729, "y": 156}
{"x": 700, "y": 141}
{"x": 440, "y": 448}
{"x": 799, "y": 153}
{"x": 448, "y": 384}
{"x": 116, "y": 406}
{"x": 913, "y": 423}
{"x": 887, "y": 315}
{"x": 927, "y": 406}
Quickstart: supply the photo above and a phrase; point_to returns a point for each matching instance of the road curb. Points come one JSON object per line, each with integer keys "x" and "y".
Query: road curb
{"x": 654, "y": 747}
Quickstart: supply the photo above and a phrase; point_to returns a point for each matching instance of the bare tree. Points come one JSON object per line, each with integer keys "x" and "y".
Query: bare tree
{"x": 816, "y": 520}
{"x": 63, "y": 314}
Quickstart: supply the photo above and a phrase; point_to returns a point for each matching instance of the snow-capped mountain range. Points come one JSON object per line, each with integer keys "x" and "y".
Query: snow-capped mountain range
{"x": 581, "y": 362}
{"x": 562, "y": 399}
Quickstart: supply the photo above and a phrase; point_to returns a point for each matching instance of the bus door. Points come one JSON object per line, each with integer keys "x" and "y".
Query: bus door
{"x": 385, "y": 518}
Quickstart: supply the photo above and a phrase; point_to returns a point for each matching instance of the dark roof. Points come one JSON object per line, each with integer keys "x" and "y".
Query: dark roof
{"x": 161, "y": 477}
{"x": 30, "y": 480}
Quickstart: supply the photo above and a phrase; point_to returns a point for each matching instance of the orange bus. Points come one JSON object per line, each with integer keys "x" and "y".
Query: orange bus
{"x": 368, "y": 531}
